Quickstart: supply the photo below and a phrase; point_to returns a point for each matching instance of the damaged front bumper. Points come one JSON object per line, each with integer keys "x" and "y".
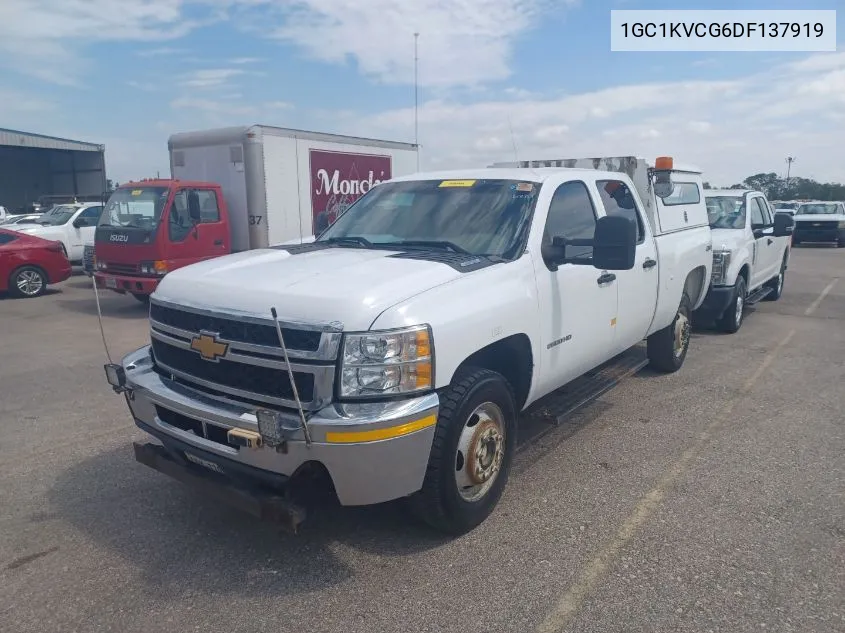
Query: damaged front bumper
{"x": 373, "y": 452}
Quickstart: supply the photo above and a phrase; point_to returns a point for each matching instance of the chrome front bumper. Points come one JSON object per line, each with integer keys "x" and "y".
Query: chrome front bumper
{"x": 348, "y": 439}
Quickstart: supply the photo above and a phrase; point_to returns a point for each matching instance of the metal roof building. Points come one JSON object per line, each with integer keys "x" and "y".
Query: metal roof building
{"x": 34, "y": 167}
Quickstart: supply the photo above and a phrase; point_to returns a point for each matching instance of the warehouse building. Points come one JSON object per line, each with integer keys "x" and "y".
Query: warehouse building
{"x": 38, "y": 169}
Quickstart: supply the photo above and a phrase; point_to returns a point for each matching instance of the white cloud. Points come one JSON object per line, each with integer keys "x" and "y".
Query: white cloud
{"x": 732, "y": 129}
{"x": 211, "y": 77}
{"x": 461, "y": 43}
{"x": 245, "y": 60}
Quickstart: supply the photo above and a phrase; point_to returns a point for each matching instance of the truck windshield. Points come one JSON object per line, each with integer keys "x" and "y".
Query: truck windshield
{"x": 481, "y": 217}
{"x": 57, "y": 215}
{"x": 819, "y": 209}
{"x": 138, "y": 207}
{"x": 726, "y": 212}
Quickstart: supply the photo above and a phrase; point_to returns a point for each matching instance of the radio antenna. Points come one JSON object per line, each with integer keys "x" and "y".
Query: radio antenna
{"x": 100, "y": 317}
{"x": 290, "y": 375}
{"x": 513, "y": 141}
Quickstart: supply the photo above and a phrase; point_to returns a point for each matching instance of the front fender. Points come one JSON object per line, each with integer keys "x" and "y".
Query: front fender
{"x": 472, "y": 312}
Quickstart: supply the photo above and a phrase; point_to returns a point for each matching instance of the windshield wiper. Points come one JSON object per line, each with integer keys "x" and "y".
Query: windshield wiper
{"x": 349, "y": 241}
{"x": 434, "y": 244}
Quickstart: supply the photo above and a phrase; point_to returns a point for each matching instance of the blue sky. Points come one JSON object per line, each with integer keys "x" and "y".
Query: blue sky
{"x": 128, "y": 73}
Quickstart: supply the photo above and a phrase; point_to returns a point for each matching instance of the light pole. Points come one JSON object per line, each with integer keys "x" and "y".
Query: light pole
{"x": 789, "y": 161}
{"x": 416, "y": 98}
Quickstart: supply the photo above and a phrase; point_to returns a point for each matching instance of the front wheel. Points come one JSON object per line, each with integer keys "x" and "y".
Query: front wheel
{"x": 471, "y": 455}
{"x": 731, "y": 321}
{"x": 667, "y": 348}
{"x": 145, "y": 299}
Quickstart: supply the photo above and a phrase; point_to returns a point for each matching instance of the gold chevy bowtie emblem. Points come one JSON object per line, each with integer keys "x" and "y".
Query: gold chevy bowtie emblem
{"x": 208, "y": 346}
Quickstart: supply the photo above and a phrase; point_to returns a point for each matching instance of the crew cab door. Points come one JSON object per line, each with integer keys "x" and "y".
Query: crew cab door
{"x": 577, "y": 307}
{"x": 637, "y": 288}
{"x": 188, "y": 243}
{"x": 765, "y": 246}
{"x": 82, "y": 229}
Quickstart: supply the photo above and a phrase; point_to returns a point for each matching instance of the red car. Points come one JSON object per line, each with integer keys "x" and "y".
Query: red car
{"x": 29, "y": 263}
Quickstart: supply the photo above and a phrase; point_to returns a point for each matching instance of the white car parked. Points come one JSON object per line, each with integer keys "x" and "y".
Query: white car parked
{"x": 751, "y": 246}
{"x": 71, "y": 224}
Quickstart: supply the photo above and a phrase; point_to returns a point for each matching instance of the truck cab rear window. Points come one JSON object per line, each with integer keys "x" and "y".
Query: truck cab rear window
{"x": 684, "y": 193}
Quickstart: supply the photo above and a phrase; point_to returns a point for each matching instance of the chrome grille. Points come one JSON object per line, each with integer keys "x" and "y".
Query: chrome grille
{"x": 252, "y": 369}
{"x": 88, "y": 258}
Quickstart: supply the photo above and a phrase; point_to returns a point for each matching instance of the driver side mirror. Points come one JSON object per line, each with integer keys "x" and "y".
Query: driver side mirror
{"x": 78, "y": 223}
{"x": 784, "y": 224}
{"x": 615, "y": 243}
{"x": 194, "y": 210}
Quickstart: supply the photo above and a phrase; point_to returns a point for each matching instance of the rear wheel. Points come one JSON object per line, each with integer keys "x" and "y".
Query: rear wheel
{"x": 27, "y": 281}
{"x": 731, "y": 320}
{"x": 471, "y": 454}
{"x": 142, "y": 298}
{"x": 667, "y": 348}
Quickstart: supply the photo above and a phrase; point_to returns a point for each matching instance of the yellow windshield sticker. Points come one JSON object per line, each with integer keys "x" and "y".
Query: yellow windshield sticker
{"x": 525, "y": 186}
{"x": 457, "y": 183}
{"x": 137, "y": 192}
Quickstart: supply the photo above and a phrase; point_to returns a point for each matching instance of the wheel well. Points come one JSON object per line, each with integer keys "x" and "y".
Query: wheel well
{"x": 695, "y": 284}
{"x": 512, "y": 358}
{"x": 35, "y": 266}
{"x": 745, "y": 272}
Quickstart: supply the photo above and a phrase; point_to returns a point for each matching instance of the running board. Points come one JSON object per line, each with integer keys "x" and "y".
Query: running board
{"x": 761, "y": 293}
{"x": 560, "y": 404}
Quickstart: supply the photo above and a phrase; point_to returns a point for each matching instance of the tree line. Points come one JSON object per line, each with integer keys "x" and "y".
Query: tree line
{"x": 777, "y": 188}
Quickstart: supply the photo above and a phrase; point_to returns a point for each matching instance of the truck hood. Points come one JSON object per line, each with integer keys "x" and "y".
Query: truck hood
{"x": 728, "y": 239}
{"x": 336, "y": 285}
{"x": 38, "y": 230}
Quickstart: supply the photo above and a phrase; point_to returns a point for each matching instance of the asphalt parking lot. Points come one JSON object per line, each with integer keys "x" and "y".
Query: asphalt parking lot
{"x": 708, "y": 500}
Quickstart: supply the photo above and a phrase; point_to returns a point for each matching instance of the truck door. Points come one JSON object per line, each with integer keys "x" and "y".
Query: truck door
{"x": 577, "y": 308}
{"x": 188, "y": 244}
{"x": 637, "y": 288}
{"x": 82, "y": 230}
{"x": 763, "y": 246}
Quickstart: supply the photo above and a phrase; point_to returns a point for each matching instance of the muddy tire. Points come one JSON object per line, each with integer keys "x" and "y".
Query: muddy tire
{"x": 667, "y": 348}
{"x": 732, "y": 319}
{"x": 472, "y": 452}
{"x": 27, "y": 282}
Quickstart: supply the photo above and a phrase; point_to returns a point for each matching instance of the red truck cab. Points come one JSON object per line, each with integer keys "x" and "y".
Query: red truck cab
{"x": 151, "y": 227}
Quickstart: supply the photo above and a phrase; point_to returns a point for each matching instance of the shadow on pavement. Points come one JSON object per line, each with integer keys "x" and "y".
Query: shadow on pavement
{"x": 183, "y": 543}
{"x": 117, "y": 307}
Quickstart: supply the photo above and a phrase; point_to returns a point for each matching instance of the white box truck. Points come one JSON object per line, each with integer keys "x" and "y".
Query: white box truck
{"x": 282, "y": 184}
{"x": 235, "y": 189}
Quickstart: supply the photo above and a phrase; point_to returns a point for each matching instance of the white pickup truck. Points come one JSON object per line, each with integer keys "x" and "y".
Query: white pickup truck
{"x": 820, "y": 222}
{"x": 71, "y": 224}
{"x": 397, "y": 350}
{"x": 751, "y": 246}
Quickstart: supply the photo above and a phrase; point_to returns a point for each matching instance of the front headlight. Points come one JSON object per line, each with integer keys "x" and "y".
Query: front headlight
{"x": 394, "y": 362}
{"x": 721, "y": 262}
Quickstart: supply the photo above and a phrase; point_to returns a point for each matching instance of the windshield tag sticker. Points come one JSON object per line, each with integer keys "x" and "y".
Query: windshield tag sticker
{"x": 137, "y": 192}
{"x": 527, "y": 187}
{"x": 457, "y": 183}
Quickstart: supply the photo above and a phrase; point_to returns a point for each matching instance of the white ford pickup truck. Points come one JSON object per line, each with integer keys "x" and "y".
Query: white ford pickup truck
{"x": 396, "y": 351}
{"x": 751, "y": 246}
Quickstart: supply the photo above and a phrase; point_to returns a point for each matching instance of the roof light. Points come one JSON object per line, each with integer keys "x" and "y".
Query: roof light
{"x": 664, "y": 163}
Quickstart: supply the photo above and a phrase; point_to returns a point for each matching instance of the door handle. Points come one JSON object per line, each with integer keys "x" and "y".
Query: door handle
{"x": 218, "y": 242}
{"x": 649, "y": 263}
{"x": 605, "y": 278}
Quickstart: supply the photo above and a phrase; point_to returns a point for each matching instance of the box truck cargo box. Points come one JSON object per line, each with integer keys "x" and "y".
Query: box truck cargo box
{"x": 282, "y": 184}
